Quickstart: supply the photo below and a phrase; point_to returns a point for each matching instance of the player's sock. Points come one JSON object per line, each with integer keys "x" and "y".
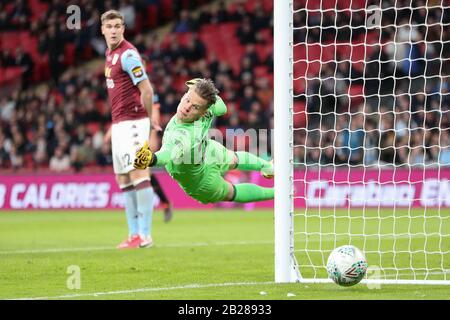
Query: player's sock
{"x": 144, "y": 196}
{"x": 158, "y": 190}
{"x": 131, "y": 209}
{"x": 250, "y": 162}
{"x": 249, "y": 192}
{"x": 168, "y": 211}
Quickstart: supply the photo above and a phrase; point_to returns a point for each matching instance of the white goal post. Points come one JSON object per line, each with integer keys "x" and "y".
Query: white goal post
{"x": 285, "y": 265}
{"x": 362, "y": 138}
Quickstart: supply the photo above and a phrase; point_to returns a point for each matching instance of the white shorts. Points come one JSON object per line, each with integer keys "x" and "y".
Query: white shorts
{"x": 126, "y": 138}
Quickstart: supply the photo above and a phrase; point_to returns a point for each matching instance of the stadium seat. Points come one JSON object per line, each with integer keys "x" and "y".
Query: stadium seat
{"x": 37, "y": 8}
{"x": 183, "y": 38}
{"x": 300, "y": 69}
{"x": 92, "y": 127}
{"x": 299, "y": 86}
{"x": 356, "y": 94}
{"x": 299, "y": 114}
{"x": 152, "y": 16}
{"x": 166, "y": 7}
{"x": 69, "y": 54}
{"x": 260, "y": 72}
{"x": 351, "y": 4}
{"x": 10, "y": 40}
{"x": 10, "y": 74}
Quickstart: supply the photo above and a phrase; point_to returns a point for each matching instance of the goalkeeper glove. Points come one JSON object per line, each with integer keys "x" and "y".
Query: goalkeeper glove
{"x": 144, "y": 157}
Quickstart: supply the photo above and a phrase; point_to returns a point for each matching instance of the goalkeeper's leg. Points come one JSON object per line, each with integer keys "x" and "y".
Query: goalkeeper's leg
{"x": 216, "y": 153}
{"x": 222, "y": 190}
{"x": 249, "y": 162}
{"x": 215, "y": 188}
{"x": 249, "y": 192}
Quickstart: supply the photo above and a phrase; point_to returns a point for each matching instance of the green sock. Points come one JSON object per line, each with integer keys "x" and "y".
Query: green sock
{"x": 250, "y": 162}
{"x": 249, "y": 192}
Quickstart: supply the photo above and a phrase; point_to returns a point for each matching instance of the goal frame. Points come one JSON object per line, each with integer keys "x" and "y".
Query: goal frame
{"x": 286, "y": 266}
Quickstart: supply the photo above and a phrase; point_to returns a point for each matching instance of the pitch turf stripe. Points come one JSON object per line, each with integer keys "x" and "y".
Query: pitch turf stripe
{"x": 187, "y": 245}
{"x": 176, "y": 245}
{"x": 119, "y": 292}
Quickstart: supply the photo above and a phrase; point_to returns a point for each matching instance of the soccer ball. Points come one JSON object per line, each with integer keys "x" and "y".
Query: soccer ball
{"x": 346, "y": 265}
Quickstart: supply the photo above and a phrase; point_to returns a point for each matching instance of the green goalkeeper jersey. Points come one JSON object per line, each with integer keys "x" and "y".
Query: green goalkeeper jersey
{"x": 184, "y": 148}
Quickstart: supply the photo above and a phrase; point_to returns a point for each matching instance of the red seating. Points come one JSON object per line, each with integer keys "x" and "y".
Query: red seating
{"x": 184, "y": 38}
{"x": 38, "y": 8}
{"x": 356, "y": 94}
{"x": 299, "y": 117}
{"x": 330, "y": 4}
{"x": 299, "y": 86}
{"x": 11, "y": 40}
{"x": 69, "y": 54}
{"x": 10, "y": 74}
{"x": 93, "y": 127}
{"x": 152, "y": 16}
{"x": 221, "y": 40}
{"x": 166, "y": 9}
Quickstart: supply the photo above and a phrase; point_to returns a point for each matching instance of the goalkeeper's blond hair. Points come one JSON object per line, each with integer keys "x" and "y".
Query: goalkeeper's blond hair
{"x": 206, "y": 89}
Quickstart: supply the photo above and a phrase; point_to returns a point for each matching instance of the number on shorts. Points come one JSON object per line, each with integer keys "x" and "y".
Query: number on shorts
{"x": 127, "y": 159}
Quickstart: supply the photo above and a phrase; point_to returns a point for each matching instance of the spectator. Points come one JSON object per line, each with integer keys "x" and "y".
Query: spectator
{"x": 23, "y": 59}
{"x": 129, "y": 13}
{"x": 184, "y": 24}
{"x": 195, "y": 49}
{"x": 260, "y": 18}
{"x": 245, "y": 33}
{"x": 104, "y": 156}
{"x": 60, "y": 161}
{"x": 51, "y": 117}
{"x": 444, "y": 154}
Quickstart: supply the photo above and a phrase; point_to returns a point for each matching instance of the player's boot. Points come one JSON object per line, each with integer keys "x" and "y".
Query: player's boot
{"x": 267, "y": 172}
{"x": 130, "y": 243}
{"x": 168, "y": 213}
{"x": 146, "y": 242}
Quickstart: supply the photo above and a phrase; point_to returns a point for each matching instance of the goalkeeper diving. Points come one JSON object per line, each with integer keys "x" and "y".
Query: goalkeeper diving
{"x": 199, "y": 163}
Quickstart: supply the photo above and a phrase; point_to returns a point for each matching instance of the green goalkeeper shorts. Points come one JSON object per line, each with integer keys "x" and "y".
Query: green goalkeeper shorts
{"x": 213, "y": 187}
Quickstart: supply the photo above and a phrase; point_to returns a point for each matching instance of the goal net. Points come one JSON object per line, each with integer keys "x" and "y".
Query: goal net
{"x": 362, "y": 135}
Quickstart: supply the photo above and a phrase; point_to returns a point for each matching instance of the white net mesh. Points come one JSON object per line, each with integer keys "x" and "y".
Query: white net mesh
{"x": 372, "y": 135}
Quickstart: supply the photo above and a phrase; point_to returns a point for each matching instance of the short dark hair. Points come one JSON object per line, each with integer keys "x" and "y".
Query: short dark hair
{"x": 111, "y": 15}
{"x": 206, "y": 89}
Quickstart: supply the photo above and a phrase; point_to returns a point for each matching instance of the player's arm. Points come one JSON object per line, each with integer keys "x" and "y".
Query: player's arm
{"x": 156, "y": 113}
{"x": 107, "y": 136}
{"x": 146, "y": 158}
{"x": 146, "y": 96}
{"x": 172, "y": 150}
{"x": 133, "y": 66}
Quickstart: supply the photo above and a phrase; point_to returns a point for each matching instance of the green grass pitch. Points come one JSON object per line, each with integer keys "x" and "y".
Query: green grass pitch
{"x": 220, "y": 254}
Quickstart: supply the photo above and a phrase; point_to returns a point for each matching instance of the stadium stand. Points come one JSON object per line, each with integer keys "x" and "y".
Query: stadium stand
{"x": 60, "y": 109}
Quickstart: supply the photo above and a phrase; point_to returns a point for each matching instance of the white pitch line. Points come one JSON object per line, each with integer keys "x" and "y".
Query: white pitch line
{"x": 176, "y": 245}
{"x": 189, "y": 286}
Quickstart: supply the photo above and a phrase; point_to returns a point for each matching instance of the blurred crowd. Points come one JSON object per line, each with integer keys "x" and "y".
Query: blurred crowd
{"x": 61, "y": 124}
{"x": 401, "y": 117}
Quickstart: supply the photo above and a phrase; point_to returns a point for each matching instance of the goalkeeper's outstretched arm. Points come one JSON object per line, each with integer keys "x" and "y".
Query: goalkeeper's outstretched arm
{"x": 146, "y": 158}
{"x": 170, "y": 151}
